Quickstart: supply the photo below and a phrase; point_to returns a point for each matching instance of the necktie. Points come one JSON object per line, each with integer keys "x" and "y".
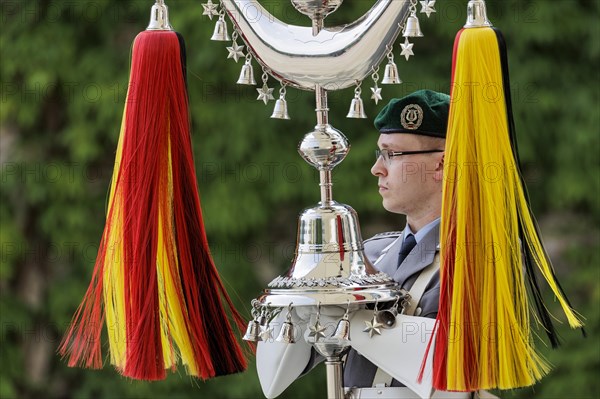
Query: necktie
{"x": 407, "y": 246}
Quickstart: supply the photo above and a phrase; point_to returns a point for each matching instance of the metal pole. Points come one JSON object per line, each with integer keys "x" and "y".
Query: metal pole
{"x": 335, "y": 377}
{"x": 321, "y": 105}
{"x": 322, "y": 120}
{"x": 325, "y": 185}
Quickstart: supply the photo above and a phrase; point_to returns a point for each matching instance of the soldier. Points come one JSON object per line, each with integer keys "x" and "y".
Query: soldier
{"x": 409, "y": 165}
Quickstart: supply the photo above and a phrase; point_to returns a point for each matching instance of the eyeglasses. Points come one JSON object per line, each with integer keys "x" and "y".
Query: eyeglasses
{"x": 387, "y": 155}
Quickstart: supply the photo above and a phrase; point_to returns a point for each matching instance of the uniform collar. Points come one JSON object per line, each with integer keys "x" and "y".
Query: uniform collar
{"x": 420, "y": 257}
{"x": 419, "y": 235}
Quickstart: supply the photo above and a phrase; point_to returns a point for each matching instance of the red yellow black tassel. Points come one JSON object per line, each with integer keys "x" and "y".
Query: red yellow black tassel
{"x": 154, "y": 282}
{"x": 490, "y": 243}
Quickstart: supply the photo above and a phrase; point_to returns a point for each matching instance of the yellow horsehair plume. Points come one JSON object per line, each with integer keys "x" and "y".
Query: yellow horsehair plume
{"x": 489, "y": 238}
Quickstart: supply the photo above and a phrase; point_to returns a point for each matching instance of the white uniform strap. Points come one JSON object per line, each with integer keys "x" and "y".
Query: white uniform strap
{"x": 418, "y": 288}
{"x": 383, "y": 379}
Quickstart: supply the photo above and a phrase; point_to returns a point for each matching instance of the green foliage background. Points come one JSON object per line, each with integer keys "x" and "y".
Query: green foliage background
{"x": 64, "y": 73}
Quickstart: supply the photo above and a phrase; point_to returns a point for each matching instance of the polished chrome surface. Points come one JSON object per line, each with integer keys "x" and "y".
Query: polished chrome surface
{"x": 280, "y": 110}
{"x": 286, "y": 335}
{"x": 159, "y": 17}
{"x": 324, "y": 147}
{"x": 326, "y": 184}
{"x": 330, "y": 266}
{"x": 342, "y": 331}
{"x": 333, "y": 230}
{"x": 412, "y": 28}
{"x": 357, "y": 109}
{"x": 252, "y": 332}
{"x": 390, "y": 76}
{"x": 387, "y": 317}
{"x": 335, "y": 377}
{"x": 247, "y": 74}
{"x": 335, "y": 58}
{"x": 312, "y": 283}
{"x": 476, "y": 14}
{"x": 221, "y": 34}
{"x": 316, "y": 10}
{"x": 356, "y": 294}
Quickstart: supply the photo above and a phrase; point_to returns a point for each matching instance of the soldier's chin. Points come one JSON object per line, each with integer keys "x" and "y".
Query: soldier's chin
{"x": 392, "y": 207}
{"x": 388, "y": 206}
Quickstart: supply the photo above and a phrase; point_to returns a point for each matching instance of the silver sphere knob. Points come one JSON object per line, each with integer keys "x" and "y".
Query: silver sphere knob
{"x": 324, "y": 148}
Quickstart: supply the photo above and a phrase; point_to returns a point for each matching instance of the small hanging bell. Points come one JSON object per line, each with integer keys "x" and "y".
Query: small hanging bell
{"x": 387, "y": 317}
{"x": 357, "y": 109}
{"x": 390, "y": 76}
{"x": 280, "y": 109}
{"x": 247, "y": 73}
{"x": 286, "y": 335}
{"x": 342, "y": 331}
{"x": 412, "y": 28}
{"x": 252, "y": 332}
{"x": 220, "y": 33}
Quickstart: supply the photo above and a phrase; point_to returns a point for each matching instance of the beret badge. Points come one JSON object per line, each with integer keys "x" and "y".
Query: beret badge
{"x": 411, "y": 117}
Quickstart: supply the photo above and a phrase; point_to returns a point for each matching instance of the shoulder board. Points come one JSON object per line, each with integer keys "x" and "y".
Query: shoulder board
{"x": 387, "y": 234}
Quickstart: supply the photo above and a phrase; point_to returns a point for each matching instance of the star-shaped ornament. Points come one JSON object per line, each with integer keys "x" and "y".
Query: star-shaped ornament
{"x": 266, "y": 333}
{"x": 265, "y": 94}
{"x": 407, "y": 49}
{"x": 210, "y": 9}
{"x": 235, "y": 51}
{"x": 317, "y": 331}
{"x": 373, "y": 327}
{"x": 427, "y": 7}
{"x": 376, "y": 96}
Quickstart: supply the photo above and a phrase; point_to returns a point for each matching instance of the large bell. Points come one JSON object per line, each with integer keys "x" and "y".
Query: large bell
{"x": 280, "y": 109}
{"x": 220, "y": 33}
{"x": 390, "y": 76}
{"x": 357, "y": 109}
{"x": 342, "y": 331}
{"x": 412, "y": 28}
{"x": 329, "y": 266}
{"x": 252, "y": 332}
{"x": 247, "y": 74}
{"x": 286, "y": 335}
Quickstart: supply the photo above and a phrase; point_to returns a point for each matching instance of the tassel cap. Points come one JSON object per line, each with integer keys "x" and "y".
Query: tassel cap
{"x": 159, "y": 17}
{"x": 476, "y": 14}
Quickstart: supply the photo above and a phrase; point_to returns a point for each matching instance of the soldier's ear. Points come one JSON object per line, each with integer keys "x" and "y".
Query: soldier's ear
{"x": 440, "y": 164}
{"x": 439, "y": 169}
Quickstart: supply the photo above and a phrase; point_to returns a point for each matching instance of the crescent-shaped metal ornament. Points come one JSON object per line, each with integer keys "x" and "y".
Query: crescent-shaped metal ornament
{"x": 333, "y": 59}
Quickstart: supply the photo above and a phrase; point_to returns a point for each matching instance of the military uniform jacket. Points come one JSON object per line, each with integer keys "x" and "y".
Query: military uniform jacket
{"x": 382, "y": 250}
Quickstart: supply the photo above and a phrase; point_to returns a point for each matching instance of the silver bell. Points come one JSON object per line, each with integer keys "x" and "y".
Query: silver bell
{"x": 247, "y": 74}
{"x": 342, "y": 331}
{"x": 220, "y": 33}
{"x": 286, "y": 334}
{"x": 357, "y": 109}
{"x": 387, "y": 317}
{"x": 390, "y": 76}
{"x": 412, "y": 28}
{"x": 252, "y": 332}
{"x": 280, "y": 109}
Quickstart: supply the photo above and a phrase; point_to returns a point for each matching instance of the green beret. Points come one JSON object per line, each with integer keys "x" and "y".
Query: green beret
{"x": 424, "y": 112}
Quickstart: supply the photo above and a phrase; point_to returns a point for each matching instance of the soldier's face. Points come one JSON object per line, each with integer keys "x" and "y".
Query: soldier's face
{"x": 410, "y": 184}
